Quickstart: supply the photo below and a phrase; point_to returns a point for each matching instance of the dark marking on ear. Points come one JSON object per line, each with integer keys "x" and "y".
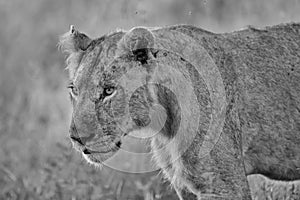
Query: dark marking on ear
{"x": 137, "y": 41}
{"x": 141, "y": 55}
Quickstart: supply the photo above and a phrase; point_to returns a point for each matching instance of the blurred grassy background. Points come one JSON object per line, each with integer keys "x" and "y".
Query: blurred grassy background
{"x": 36, "y": 159}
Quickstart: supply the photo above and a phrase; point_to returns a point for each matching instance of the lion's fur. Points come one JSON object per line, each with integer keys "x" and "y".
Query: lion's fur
{"x": 260, "y": 69}
{"x": 73, "y": 43}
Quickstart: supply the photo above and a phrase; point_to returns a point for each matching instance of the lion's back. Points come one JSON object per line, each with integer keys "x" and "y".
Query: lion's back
{"x": 269, "y": 74}
{"x": 260, "y": 69}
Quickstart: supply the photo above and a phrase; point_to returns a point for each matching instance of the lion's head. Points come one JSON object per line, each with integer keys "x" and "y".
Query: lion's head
{"x": 130, "y": 83}
{"x": 104, "y": 75}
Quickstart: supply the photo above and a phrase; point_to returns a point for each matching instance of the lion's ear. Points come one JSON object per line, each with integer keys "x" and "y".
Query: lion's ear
{"x": 74, "y": 44}
{"x": 136, "y": 39}
{"x": 74, "y": 41}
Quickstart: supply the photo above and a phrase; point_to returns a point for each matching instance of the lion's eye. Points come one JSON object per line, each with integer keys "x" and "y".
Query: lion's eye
{"x": 109, "y": 90}
{"x": 73, "y": 88}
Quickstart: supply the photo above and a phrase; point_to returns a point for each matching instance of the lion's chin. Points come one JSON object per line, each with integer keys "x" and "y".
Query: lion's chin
{"x": 97, "y": 159}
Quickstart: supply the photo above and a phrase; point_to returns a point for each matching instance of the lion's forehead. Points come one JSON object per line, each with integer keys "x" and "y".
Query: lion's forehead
{"x": 95, "y": 67}
{"x": 109, "y": 48}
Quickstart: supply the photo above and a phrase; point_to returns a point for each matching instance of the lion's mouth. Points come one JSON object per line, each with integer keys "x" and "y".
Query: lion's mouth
{"x": 99, "y": 151}
{"x": 113, "y": 148}
{"x": 98, "y": 154}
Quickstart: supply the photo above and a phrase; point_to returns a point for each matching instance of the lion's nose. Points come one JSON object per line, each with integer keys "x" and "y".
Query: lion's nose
{"x": 78, "y": 137}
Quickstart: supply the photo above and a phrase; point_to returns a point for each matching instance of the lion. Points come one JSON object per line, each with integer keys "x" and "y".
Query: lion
{"x": 225, "y": 105}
